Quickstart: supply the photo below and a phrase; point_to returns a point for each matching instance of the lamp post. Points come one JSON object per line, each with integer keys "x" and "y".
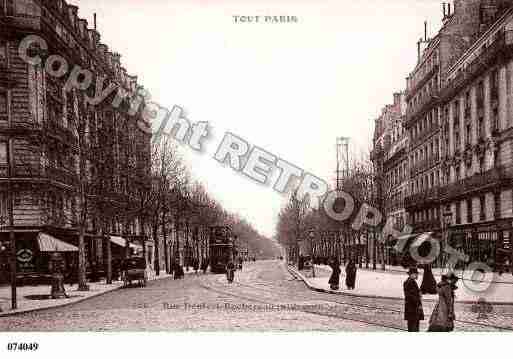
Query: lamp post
{"x": 311, "y": 236}
{"x": 447, "y": 219}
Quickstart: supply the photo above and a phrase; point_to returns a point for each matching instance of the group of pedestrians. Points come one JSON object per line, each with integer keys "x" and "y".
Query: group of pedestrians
{"x": 442, "y": 318}
{"x": 335, "y": 274}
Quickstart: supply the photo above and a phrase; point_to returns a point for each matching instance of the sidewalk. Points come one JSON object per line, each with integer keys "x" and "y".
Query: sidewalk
{"x": 28, "y": 305}
{"x": 389, "y": 285}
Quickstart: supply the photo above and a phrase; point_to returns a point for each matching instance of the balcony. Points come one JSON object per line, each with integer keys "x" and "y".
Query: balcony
{"x": 502, "y": 47}
{"x": 424, "y": 135}
{"x": 424, "y": 165}
{"x": 421, "y": 199}
{"x": 420, "y": 83}
{"x": 427, "y": 226}
{"x": 57, "y": 130}
{"x": 476, "y": 183}
{"x": 61, "y": 175}
{"x": 424, "y": 105}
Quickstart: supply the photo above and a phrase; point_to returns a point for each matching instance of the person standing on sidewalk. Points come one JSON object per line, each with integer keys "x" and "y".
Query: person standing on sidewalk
{"x": 335, "y": 275}
{"x": 413, "y": 311}
{"x": 442, "y": 318}
{"x": 350, "y": 274}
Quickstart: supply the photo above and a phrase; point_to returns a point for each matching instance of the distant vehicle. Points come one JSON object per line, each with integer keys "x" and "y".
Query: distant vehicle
{"x": 222, "y": 248}
{"x": 134, "y": 269}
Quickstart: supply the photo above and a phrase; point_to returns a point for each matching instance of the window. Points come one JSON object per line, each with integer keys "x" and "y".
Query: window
{"x": 494, "y": 85}
{"x": 9, "y": 7}
{"x": 3, "y": 103}
{"x": 480, "y": 128}
{"x": 482, "y": 208}
{"x": 458, "y": 212}
{"x": 4, "y": 159}
{"x": 3, "y": 52}
{"x": 469, "y": 211}
{"x": 480, "y": 95}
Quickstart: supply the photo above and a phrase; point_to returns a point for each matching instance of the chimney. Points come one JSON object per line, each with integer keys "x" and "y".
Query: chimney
{"x": 425, "y": 31}
{"x": 418, "y": 50}
{"x": 95, "y": 27}
{"x": 444, "y": 10}
{"x": 449, "y": 9}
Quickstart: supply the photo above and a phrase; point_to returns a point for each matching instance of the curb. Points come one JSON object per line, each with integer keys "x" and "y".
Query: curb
{"x": 78, "y": 300}
{"x": 294, "y": 272}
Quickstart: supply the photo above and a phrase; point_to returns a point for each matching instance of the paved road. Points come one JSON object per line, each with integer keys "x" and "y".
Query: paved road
{"x": 264, "y": 296}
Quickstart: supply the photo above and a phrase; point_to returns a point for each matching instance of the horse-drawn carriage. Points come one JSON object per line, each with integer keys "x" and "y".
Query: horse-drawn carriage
{"x": 134, "y": 269}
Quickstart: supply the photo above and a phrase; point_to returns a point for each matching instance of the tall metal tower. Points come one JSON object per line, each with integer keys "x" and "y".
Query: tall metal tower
{"x": 342, "y": 159}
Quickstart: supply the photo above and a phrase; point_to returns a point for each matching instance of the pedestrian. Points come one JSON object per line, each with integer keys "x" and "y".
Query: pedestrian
{"x": 204, "y": 265}
{"x": 413, "y": 311}
{"x": 335, "y": 274}
{"x": 428, "y": 285}
{"x": 350, "y": 274}
{"x": 442, "y": 318}
{"x": 230, "y": 269}
{"x": 195, "y": 265}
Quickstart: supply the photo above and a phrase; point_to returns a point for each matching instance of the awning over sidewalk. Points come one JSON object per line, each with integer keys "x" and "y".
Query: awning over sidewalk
{"x": 120, "y": 241}
{"x": 47, "y": 243}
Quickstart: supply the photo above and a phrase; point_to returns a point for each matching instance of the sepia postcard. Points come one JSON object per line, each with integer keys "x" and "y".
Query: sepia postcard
{"x": 254, "y": 166}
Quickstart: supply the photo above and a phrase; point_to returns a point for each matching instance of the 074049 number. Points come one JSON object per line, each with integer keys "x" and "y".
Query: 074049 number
{"x": 22, "y": 347}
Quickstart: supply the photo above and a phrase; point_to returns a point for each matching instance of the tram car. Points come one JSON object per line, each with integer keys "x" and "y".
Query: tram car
{"x": 221, "y": 248}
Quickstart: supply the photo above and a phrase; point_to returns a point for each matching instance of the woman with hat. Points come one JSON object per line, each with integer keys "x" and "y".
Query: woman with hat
{"x": 442, "y": 318}
{"x": 413, "y": 311}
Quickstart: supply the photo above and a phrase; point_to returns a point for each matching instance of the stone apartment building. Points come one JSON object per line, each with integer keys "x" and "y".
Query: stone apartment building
{"x": 459, "y": 122}
{"x": 54, "y": 146}
{"x": 390, "y": 160}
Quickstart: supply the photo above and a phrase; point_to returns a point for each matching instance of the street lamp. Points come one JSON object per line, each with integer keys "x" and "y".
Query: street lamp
{"x": 447, "y": 220}
{"x": 311, "y": 236}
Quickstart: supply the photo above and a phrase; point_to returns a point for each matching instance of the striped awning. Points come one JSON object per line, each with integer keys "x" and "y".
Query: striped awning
{"x": 47, "y": 243}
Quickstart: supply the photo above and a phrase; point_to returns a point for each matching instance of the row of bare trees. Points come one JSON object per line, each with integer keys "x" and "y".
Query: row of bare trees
{"x": 324, "y": 236}
{"x": 120, "y": 182}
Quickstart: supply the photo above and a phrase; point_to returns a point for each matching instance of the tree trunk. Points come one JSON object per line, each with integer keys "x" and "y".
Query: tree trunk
{"x": 156, "y": 243}
{"x": 176, "y": 254}
{"x": 106, "y": 237}
{"x": 82, "y": 282}
{"x": 166, "y": 247}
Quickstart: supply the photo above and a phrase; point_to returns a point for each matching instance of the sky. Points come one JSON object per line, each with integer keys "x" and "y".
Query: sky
{"x": 288, "y": 88}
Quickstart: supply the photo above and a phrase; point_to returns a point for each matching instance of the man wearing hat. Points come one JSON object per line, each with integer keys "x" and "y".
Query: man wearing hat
{"x": 413, "y": 312}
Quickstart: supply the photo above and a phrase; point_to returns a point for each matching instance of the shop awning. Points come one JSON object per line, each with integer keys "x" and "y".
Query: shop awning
{"x": 47, "y": 243}
{"x": 120, "y": 241}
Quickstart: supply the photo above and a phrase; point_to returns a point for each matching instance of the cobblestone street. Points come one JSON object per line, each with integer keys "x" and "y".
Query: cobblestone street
{"x": 264, "y": 296}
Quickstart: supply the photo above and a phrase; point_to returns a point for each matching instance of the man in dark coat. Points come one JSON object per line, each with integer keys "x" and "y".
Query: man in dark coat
{"x": 350, "y": 274}
{"x": 335, "y": 275}
{"x": 428, "y": 285}
{"x": 413, "y": 312}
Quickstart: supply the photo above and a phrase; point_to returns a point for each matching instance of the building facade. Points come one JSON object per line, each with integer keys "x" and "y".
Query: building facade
{"x": 66, "y": 165}
{"x": 391, "y": 162}
{"x": 458, "y": 123}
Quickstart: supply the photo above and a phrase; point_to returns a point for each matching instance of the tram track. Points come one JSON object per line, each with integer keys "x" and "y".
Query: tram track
{"x": 314, "y": 312}
{"x": 277, "y": 291}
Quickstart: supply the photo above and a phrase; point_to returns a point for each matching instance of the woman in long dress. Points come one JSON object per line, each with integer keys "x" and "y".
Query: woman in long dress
{"x": 442, "y": 318}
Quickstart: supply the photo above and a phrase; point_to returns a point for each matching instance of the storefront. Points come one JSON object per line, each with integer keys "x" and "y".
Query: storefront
{"x": 33, "y": 250}
{"x": 486, "y": 243}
